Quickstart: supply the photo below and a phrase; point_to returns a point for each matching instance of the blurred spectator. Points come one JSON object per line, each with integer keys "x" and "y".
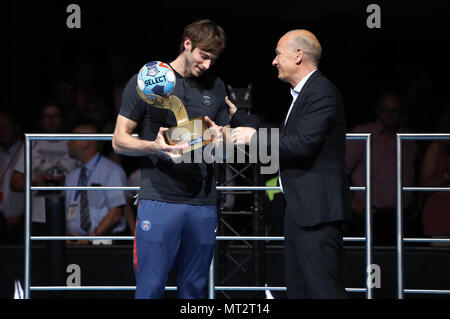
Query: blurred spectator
{"x": 120, "y": 73}
{"x": 424, "y": 101}
{"x": 384, "y": 166}
{"x": 95, "y": 111}
{"x": 94, "y": 213}
{"x": 50, "y": 164}
{"x": 64, "y": 96}
{"x": 436, "y": 173}
{"x": 12, "y": 203}
{"x": 134, "y": 180}
{"x": 92, "y": 104}
{"x": 85, "y": 83}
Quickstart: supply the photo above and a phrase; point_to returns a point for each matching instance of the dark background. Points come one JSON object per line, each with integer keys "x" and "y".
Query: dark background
{"x": 408, "y": 53}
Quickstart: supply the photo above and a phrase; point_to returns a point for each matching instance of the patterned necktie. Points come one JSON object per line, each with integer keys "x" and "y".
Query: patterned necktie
{"x": 85, "y": 218}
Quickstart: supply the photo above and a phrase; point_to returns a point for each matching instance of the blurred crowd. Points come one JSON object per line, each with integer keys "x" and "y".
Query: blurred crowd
{"x": 77, "y": 104}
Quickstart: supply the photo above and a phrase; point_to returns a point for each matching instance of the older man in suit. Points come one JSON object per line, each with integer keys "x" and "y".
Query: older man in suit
{"x": 312, "y": 169}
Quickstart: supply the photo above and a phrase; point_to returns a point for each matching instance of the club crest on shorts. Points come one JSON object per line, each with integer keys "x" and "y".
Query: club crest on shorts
{"x": 146, "y": 225}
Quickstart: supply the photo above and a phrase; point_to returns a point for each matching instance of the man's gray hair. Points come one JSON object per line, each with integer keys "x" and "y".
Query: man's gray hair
{"x": 311, "y": 48}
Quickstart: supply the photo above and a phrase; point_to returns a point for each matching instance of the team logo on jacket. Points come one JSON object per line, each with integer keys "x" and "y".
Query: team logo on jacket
{"x": 207, "y": 100}
{"x": 146, "y": 225}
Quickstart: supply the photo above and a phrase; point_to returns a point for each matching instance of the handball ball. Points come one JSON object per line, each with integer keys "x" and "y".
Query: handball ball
{"x": 156, "y": 78}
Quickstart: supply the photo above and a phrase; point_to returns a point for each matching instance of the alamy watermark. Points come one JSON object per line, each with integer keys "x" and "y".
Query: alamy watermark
{"x": 373, "y": 276}
{"x": 74, "y": 278}
{"x": 74, "y": 19}
{"x": 373, "y": 21}
{"x": 263, "y": 148}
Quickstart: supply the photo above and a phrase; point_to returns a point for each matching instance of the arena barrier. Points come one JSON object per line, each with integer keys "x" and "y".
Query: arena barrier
{"x": 211, "y": 285}
{"x": 399, "y": 216}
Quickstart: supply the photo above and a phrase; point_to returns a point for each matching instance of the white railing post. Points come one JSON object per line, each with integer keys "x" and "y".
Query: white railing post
{"x": 27, "y": 217}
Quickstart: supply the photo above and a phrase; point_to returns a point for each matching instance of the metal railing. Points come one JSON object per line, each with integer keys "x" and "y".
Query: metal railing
{"x": 211, "y": 285}
{"x": 399, "y": 216}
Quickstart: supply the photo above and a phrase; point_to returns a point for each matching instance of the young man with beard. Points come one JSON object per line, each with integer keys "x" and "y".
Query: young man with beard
{"x": 177, "y": 216}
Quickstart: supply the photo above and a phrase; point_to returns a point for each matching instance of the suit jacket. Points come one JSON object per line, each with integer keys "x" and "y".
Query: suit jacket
{"x": 312, "y": 154}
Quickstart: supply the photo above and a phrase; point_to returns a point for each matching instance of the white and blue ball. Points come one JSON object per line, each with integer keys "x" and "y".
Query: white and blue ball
{"x": 156, "y": 78}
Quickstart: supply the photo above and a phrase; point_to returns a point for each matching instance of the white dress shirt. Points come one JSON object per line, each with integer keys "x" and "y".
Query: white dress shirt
{"x": 295, "y": 92}
{"x": 103, "y": 173}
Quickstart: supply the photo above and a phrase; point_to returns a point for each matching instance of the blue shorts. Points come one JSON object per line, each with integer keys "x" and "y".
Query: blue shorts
{"x": 173, "y": 235}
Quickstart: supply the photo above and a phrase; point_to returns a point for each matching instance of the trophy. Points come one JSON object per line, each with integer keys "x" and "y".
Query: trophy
{"x": 189, "y": 133}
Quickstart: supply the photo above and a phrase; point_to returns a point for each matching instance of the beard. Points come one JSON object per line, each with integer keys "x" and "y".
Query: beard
{"x": 192, "y": 66}
{"x": 189, "y": 64}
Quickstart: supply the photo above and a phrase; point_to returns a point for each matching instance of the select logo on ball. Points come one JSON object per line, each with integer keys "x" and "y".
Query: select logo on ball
{"x": 156, "y": 78}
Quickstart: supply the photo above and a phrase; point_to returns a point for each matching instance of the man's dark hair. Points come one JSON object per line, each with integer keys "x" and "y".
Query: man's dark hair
{"x": 204, "y": 34}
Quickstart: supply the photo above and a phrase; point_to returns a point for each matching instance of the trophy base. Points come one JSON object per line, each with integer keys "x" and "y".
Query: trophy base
{"x": 190, "y": 135}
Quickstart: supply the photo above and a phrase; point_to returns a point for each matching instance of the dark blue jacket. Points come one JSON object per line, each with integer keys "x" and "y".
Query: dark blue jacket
{"x": 312, "y": 154}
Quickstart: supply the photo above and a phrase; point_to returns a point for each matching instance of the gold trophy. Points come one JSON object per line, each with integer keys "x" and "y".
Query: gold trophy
{"x": 191, "y": 134}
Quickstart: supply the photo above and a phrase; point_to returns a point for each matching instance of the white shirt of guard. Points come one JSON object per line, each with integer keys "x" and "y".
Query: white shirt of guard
{"x": 12, "y": 203}
{"x": 105, "y": 173}
{"x": 294, "y": 92}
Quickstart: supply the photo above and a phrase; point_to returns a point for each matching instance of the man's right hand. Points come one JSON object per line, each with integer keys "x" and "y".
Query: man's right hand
{"x": 165, "y": 150}
{"x": 125, "y": 143}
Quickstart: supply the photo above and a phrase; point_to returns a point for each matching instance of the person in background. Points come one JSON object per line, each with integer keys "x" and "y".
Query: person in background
{"x": 384, "y": 167}
{"x": 50, "y": 164}
{"x": 93, "y": 213}
{"x": 435, "y": 172}
{"x": 12, "y": 203}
